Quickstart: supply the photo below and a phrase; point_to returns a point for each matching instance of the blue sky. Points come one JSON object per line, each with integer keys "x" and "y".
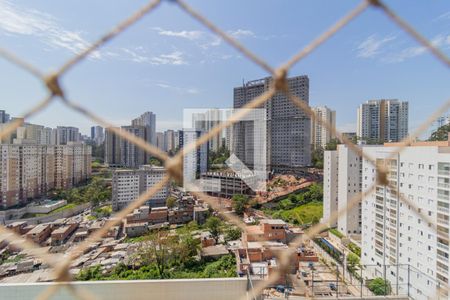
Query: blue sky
{"x": 168, "y": 61}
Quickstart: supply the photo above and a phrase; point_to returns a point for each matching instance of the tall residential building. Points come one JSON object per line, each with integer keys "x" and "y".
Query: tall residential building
{"x": 393, "y": 234}
{"x": 127, "y": 185}
{"x": 288, "y": 127}
{"x": 33, "y": 134}
{"x": 147, "y": 119}
{"x": 195, "y": 162}
{"x": 205, "y": 121}
{"x": 176, "y": 140}
{"x": 30, "y": 170}
{"x": 330, "y": 185}
{"x": 97, "y": 135}
{"x": 130, "y": 154}
{"x": 120, "y": 152}
{"x": 383, "y": 120}
{"x": 4, "y": 117}
{"x": 349, "y": 187}
{"x": 169, "y": 140}
{"x": 320, "y": 135}
{"x": 160, "y": 140}
{"x": 341, "y": 184}
{"x": 112, "y": 148}
{"x": 61, "y": 135}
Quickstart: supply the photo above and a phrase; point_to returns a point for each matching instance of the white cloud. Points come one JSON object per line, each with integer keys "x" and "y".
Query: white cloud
{"x": 173, "y": 58}
{"x": 15, "y": 20}
{"x": 439, "y": 41}
{"x": 444, "y": 16}
{"x": 186, "y": 34}
{"x": 179, "y": 90}
{"x": 372, "y": 46}
{"x": 140, "y": 55}
{"x": 239, "y": 33}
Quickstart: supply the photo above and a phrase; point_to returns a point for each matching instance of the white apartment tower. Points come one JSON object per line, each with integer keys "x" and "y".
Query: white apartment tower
{"x": 195, "y": 162}
{"x": 393, "y": 234}
{"x": 320, "y": 135}
{"x": 349, "y": 187}
{"x": 341, "y": 185}
{"x": 330, "y": 185}
{"x": 127, "y": 185}
{"x": 382, "y": 120}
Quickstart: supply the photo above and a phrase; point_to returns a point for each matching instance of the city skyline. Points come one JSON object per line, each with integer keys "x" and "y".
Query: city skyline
{"x": 379, "y": 60}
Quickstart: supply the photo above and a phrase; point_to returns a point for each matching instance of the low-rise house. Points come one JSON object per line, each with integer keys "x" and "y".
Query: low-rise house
{"x": 181, "y": 215}
{"x": 267, "y": 230}
{"x": 136, "y": 229}
{"x": 201, "y": 213}
{"x": 60, "y": 235}
{"x": 18, "y": 227}
{"x": 215, "y": 251}
{"x": 40, "y": 233}
{"x": 158, "y": 215}
{"x": 139, "y": 215}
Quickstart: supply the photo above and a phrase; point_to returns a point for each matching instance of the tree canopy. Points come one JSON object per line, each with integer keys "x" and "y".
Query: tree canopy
{"x": 441, "y": 134}
{"x": 239, "y": 203}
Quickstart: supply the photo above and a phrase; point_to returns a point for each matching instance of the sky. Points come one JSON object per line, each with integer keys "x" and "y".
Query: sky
{"x": 168, "y": 61}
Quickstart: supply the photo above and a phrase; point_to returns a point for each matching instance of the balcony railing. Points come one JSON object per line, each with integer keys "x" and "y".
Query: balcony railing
{"x": 443, "y": 246}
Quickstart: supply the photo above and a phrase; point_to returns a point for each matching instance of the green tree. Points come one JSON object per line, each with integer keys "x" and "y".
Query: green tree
{"x": 352, "y": 261}
{"x": 214, "y": 225}
{"x": 380, "y": 287}
{"x": 158, "y": 249}
{"x": 317, "y": 157}
{"x": 187, "y": 247}
{"x": 171, "y": 201}
{"x": 332, "y": 145}
{"x": 232, "y": 233}
{"x": 91, "y": 273}
{"x": 441, "y": 134}
{"x": 239, "y": 203}
{"x": 155, "y": 162}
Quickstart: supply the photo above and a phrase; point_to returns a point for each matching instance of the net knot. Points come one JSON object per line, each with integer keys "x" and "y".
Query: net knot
{"x": 174, "y": 167}
{"x": 280, "y": 78}
{"x": 52, "y": 83}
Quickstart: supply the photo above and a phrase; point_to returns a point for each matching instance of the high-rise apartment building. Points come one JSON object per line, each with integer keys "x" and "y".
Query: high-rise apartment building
{"x": 169, "y": 140}
{"x": 147, "y": 119}
{"x": 207, "y": 120}
{"x": 382, "y": 121}
{"x": 160, "y": 140}
{"x": 127, "y": 185}
{"x": 131, "y": 155}
{"x": 97, "y": 135}
{"x": 195, "y": 162}
{"x": 4, "y": 117}
{"x": 349, "y": 187}
{"x": 288, "y": 127}
{"x": 121, "y": 152}
{"x": 112, "y": 148}
{"x": 61, "y": 135}
{"x": 393, "y": 234}
{"x": 320, "y": 135}
{"x": 342, "y": 183}
{"x": 33, "y": 134}
{"x": 30, "y": 170}
{"x": 330, "y": 185}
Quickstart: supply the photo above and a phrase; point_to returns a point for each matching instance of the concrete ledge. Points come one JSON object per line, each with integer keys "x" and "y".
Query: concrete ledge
{"x": 189, "y": 289}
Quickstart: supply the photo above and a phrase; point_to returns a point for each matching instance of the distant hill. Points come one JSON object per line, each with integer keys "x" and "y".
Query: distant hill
{"x": 441, "y": 134}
